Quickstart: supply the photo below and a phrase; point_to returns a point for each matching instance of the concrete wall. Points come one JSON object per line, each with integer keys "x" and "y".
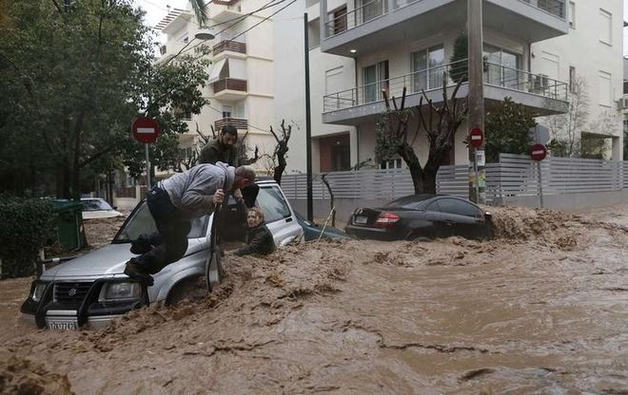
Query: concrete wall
{"x": 583, "y": 49}
{"x": 289, "y": 83}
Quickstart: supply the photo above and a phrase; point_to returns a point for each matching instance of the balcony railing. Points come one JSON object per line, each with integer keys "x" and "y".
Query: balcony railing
{"x": 365, "y": 13}
{"x": 554, "y": 7}
{"x": 433, "y": 79}
{"x": 231, "y": 84}
{"x": 239, "y": 123}
{"x": 229, "y": 45}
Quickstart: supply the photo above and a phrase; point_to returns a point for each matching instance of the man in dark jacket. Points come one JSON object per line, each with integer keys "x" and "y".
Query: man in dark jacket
{"x": 172, "y": 204}
{"x": 259, "y": 240}
{"x": 222, "y": 149}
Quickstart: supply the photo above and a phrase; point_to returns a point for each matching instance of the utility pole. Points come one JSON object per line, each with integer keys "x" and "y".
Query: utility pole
{"x": 308, "y": 122}
{"x": 477, "y": 169}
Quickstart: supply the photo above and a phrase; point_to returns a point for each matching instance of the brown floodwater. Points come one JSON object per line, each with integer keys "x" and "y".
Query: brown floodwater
{"x": 542, "y": 309}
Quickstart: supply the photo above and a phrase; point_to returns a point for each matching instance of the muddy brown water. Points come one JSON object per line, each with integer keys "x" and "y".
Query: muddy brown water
{"x": 543, "y": 309}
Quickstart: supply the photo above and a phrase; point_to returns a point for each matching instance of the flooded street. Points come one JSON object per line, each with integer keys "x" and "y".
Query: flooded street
{"x": 542, "y": 309}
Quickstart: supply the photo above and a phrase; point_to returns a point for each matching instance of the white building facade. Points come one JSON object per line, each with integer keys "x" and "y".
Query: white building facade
{"x": 240, "y": 84}
{"x": 532, "y": 49}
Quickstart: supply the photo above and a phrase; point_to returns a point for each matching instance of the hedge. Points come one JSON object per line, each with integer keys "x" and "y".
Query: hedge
{"x": 25, "y": 226}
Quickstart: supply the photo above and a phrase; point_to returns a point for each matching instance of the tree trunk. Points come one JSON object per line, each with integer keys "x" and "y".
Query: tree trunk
{"x": 281, "y": 167}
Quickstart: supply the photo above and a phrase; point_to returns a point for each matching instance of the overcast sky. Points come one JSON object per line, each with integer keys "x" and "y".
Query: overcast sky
{"x": 157, "y": 9}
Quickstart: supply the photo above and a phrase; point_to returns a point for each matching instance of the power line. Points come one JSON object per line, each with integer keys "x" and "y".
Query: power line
{"x": 270, "y": 4}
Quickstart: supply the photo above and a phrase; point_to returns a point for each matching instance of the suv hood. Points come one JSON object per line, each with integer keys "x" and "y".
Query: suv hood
{"x": 104, "y": 262}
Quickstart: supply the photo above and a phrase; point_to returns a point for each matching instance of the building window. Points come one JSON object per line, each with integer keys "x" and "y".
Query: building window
{"x": 391, "y": 164}
{"x": 227, "y": 111}
{"x": 502, "y": 68}
{"x": 606, "y": 27}
{"x": 625, "y": 125}
{"x": 572, "y": 15}
{"x": 375, "y": 79}
{"x": 338, "y": 20}
{"x": 605, "y": 88}
{"x": 572, "y": 79}
{"x": 427, "y": 66}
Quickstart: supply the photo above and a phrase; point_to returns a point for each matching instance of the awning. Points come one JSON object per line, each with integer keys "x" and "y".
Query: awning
{"x": 214, "y": 75}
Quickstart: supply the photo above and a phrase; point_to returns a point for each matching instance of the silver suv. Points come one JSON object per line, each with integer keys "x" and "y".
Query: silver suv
{"x": 92, "y": 289}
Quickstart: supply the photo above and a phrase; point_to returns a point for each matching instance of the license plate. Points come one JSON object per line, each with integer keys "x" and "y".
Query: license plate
{"x": 65, "y": 325}
{"x": 360, "y": 220}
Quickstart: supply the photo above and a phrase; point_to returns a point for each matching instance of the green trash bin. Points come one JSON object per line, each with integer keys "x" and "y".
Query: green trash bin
{"x": 69, "y": 224}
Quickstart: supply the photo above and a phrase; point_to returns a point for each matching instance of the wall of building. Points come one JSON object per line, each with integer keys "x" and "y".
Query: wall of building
{"x": 289, "y": 82}
{"x": 584, "y": 49}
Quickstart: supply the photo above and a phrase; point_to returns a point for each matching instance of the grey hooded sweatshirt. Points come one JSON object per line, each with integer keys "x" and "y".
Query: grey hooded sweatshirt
{"x": 192, "y": 191}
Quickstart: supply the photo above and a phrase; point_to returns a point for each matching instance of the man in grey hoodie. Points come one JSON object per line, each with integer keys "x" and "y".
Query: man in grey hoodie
{"x": 173, "y": 203}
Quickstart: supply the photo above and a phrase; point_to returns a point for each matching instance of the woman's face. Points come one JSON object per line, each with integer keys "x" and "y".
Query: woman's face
{"x": 252, "y": 219}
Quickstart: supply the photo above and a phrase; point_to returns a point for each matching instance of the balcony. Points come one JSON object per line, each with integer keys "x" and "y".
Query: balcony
{"x": 239, "y": 123}
{"x": 229, "y": 45}
{"x": 540, "y": 94}
{"x": 378, "y": 24}
{"x": 230, "y": 89}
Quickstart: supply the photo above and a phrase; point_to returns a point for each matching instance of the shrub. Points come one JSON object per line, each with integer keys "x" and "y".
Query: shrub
{"x": 25, "y": 225}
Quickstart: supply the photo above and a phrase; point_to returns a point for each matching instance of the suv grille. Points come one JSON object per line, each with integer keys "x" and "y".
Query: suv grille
{"x": 71, "y": 295}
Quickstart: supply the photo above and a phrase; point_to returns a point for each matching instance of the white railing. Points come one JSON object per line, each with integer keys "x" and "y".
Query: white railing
{"x": 554, "y": 7}
{"x": 433, "y": 78}
{"x": 513, "y": 176}
{"x": 356, "y": 17}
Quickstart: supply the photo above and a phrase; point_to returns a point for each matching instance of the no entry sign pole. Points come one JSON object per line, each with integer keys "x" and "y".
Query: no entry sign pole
{"x": 538, "y": 152}
{"x": 146, "y": 130}
{"x": 147, "y": 167}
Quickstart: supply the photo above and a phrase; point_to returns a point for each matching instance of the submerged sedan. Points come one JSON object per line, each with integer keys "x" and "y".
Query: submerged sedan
{"x": 422, "y": 216}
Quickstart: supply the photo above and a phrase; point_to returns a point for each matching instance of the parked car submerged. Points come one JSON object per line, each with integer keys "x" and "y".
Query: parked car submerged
{"x": 93, "y": 289}
{"x": 421, "y": 216}
{"x": 97, "y": 208}
{"x": 312, "y": 231}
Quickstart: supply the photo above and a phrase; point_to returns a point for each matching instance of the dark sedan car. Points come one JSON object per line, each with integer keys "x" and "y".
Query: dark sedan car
{"x": 421, "y": 216}
{"x": 312, "y": 231}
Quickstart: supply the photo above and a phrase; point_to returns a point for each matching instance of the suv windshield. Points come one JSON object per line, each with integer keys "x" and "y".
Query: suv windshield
{"x": 142, "y": 222}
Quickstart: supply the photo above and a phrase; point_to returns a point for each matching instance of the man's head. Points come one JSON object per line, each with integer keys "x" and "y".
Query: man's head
{"x": 254, "y": 217}
{"x": 243, "y": 177}
{"x": 228, "y": 135}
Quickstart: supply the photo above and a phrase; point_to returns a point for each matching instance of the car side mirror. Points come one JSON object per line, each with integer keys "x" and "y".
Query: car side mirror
{"x": 488, "y": 216}
{"x": 115, "y": 207}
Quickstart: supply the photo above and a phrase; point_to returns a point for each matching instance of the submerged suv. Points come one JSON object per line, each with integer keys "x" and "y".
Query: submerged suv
{"x": 92, "y": 289}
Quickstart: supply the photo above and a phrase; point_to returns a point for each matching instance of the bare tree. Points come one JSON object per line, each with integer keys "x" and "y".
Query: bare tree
{"x": 332, "y": 204}
{"x": 440, "y": 123}
{"x": 281, "y": 149}
{"x": 566, "y": 129}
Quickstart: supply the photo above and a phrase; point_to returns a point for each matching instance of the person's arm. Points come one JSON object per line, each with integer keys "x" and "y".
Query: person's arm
{"x": 203, "y": 192}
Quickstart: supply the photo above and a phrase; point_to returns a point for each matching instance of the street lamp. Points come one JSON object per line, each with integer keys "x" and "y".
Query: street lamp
{"x": 204, "y": 34}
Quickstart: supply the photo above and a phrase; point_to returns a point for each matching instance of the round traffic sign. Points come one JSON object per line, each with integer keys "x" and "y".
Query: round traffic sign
{"x": 476, "y": 137}
{"x": 538, "y": 152}
{"x": 146, "y": 130}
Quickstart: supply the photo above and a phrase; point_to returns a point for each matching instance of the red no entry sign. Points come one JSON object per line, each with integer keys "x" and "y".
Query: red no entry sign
{"x": 476, "y": 137}
{"x": 146, "y": 130}
{"x": 538, "y": 152}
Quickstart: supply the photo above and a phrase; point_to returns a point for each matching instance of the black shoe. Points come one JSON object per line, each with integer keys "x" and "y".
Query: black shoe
{"x": 133, "y": 270}
{"x": 141, "y": 245}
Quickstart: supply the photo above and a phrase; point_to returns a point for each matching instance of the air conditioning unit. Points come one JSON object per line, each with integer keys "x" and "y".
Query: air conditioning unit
{"x": 622, "y": 103}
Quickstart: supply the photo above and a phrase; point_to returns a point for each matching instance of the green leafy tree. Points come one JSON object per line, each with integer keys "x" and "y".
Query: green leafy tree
{"x": 459, "y": 69}
{"x": 507, "y": 127}
{"x": 72, "y": 80}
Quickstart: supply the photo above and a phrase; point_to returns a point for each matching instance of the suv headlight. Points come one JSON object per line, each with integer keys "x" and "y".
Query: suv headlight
{"x": 120, "y": 291}
{"x": 38, "y": 291}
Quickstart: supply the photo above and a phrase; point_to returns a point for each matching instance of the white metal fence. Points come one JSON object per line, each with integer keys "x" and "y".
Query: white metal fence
{"x": 513, "y": 176}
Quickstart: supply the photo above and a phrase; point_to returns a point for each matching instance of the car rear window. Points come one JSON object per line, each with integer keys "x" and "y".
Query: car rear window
{"x": 411, "y": 202}
{"x": 141, "y": 221}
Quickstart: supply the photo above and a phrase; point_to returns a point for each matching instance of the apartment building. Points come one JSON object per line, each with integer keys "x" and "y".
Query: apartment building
{"x": 240, "y": 85}
{"x": 532, "y": 50}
